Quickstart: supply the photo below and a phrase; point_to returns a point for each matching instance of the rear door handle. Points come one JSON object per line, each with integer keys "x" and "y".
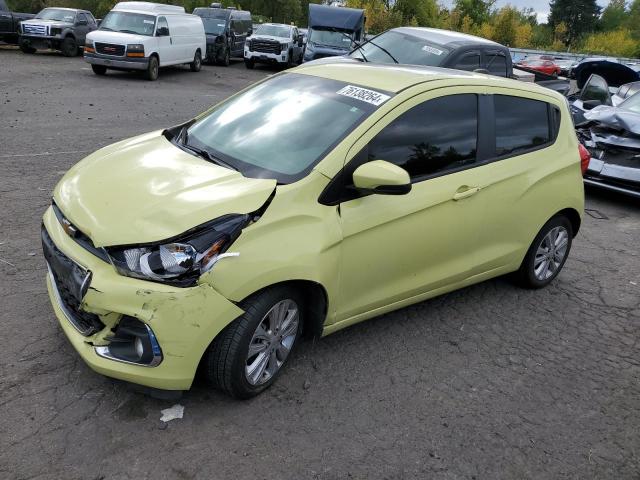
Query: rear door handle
{"x": 465, "y": 192}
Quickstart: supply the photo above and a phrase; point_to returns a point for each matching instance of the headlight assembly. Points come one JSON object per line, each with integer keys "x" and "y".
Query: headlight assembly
{"x": 182, "y": 260}
{"x": 55, "y": 31}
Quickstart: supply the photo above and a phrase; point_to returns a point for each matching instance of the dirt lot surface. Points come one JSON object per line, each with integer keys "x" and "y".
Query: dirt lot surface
{"x": 489, "y": 382}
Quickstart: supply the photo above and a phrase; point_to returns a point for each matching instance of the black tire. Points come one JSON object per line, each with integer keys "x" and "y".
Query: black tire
{"x": 99, "y": 69}
{"x": 226, "y": 58}
{"x": 226, "y": 359}
{"x": 69, "y": 47}
{"x": 249, "y": 63}
{"x": 197, "y": 62}
{"x": 526, "y": 275}
{"x": 290, "y": 61}
{"x": 151, "y": 73}
{"x": 27, "y": 49}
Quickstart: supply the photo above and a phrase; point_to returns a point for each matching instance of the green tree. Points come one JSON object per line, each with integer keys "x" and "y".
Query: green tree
{"x": 425, "y": 12}
{"x": 478, "y": 10}
{"x": 614, "y": 16}
{"x": 505, "y": 25}
{"x": 580, "y": 17}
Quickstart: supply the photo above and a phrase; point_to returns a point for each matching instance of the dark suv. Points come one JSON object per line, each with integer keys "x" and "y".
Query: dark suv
{"x": 61, "y": 29}
{"x": 226, "y": 31}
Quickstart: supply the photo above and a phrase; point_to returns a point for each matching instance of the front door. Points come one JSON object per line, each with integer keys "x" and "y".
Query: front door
{"x": 166, "y": 50}
{"x": 397, "y": 247}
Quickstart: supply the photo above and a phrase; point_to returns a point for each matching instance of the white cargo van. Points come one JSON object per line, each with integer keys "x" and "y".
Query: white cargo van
{"x": 146, "y": 36}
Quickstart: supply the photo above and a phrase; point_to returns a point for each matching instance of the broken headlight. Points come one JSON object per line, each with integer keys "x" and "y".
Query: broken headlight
{"x": 182, "y": 260}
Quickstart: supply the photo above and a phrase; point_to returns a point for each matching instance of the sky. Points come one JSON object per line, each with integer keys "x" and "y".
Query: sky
{"x": 540, "y": 6}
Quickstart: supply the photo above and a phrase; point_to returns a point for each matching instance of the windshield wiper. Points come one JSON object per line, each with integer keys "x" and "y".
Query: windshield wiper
{"x": 384, "y": 50}
{"x": 360, "y": 45}
{"x": 106, "y": 28}
{"x": 128, "y": 31}
{"x": 181, "y": 140}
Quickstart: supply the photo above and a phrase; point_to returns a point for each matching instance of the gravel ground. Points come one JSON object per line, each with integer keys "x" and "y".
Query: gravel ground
{"x": 488, "y": 382}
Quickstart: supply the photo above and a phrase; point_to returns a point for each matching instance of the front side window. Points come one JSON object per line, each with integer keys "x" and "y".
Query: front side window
{"x": 521, "y": 124}
{"x": 126, "y": 22}
{"x": 331, "y": 38}
{"x": 82, "y": 18}
{"x": 434, "y": 137}
{"x": 392, "y": 47}
{"x": 163, "y": 26}
{"x": 469, "y": 61}
{"x": 281, "y": 127}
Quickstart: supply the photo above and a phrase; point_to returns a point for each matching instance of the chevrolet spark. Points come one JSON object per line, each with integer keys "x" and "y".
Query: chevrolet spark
{"x": 313, "y": 200}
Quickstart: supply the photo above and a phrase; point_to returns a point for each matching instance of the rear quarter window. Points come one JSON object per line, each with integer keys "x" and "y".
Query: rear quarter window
{"x": 523, "y": 124}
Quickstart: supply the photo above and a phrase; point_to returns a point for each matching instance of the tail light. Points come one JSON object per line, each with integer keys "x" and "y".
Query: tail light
{"x": 585, "y": 157}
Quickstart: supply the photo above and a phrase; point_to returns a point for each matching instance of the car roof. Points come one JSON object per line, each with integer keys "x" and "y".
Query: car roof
{"x": 393, "y": 78}
{"x": 445, "y": 37}
{"x": 278, "y": 24}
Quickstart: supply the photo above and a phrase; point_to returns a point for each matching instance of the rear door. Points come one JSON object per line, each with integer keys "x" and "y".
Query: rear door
{"x": 81, "y": 27}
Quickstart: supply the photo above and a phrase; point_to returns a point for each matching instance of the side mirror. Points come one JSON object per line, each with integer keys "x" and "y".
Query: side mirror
{"x": 162, "y": 32}
{"x": 380, "y": 176}
{"x": 591, "y": 104}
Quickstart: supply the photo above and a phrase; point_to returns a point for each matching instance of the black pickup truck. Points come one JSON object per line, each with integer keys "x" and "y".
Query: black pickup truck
{"x": 9, "y": 22}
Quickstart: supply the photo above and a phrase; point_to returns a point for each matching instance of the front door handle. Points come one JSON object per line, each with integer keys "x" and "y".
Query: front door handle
{"x": 465, "y": 192}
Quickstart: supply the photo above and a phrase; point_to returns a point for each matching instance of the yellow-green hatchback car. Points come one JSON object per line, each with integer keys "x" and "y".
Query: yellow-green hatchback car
{"x": 315, "y": 199}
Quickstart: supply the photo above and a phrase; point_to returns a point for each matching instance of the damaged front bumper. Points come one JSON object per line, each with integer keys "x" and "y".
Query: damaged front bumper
{"x": 133, "y": 330}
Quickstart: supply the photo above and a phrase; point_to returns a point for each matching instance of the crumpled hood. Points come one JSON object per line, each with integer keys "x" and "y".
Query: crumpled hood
{"x": 615, "y": 117}
{"x": 145, "y": 189}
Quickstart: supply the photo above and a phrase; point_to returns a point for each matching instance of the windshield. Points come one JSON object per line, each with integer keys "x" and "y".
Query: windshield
{"x": 214, "y": 26}
{"x": 57, "y": 14}
{"x": 283, "y": 126}
{"x": 404, "y": 48}
{"x": 126, "y": 22}
{"x": 330, "y": 38}
{"x": 273, "y": 30}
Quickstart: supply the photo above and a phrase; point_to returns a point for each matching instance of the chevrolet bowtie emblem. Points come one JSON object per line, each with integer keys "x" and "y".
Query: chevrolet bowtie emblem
{"x": 68, "y": 228}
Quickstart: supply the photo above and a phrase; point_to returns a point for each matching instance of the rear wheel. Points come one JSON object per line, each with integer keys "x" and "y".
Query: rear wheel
{"x": 248, "y": 355}
{"x": 547, "y": 254}
{"x": 197, "y": 62}
{"x": 99, "y": 69}
{"x": 226, "y": 58}
{"x": 152, "y": 69}
{"x": 249, "y": 63}
{"x": 69, "y": 47}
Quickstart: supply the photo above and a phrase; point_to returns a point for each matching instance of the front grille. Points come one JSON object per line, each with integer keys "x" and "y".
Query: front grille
{"x": 110, "y": 49}
{"x": 40, "y": 30}
{"x": 85, "y": 322}
{"x": 265, "y": 46}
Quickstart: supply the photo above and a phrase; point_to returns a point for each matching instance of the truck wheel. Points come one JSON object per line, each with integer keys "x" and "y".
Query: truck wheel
{"x": 27, "y": 49}
{"x": 226, "y": 59}
{"x": 69, "y": 47}
{"x": 249, "y": 63}
{"x": 152, "y": 69}
{"x": 290, "y": 61}
{"x": 99, "y": 69}
{"x": 197, "y": 62}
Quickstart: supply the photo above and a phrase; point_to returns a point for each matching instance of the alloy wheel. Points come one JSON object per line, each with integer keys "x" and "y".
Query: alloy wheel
{"x": 272, "y": 342}
{"x": 551, "y": 253}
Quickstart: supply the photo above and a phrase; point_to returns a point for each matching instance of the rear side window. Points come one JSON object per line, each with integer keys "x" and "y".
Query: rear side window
{"x": 496, "y": 63}
{"x": 521, "y": 124}
{"x": 434, "y": 137}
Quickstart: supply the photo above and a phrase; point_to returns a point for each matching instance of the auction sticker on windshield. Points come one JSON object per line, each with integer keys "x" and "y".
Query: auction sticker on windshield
{"x": 430, "y": 49}
{"x": 364, "y": 95}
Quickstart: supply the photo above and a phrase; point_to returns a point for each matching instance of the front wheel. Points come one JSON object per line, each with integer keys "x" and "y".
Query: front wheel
{"x": 248, "y": 355}
{"x": 27, "y": 49}
{"x": 99, "y": 69}
{"x": 152, "y": 69}
{"x": 249, "y": 63}
{"x": 197, "y": 62}
{"x": 69, "y": 47}
{"x": 547, "y": 254}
